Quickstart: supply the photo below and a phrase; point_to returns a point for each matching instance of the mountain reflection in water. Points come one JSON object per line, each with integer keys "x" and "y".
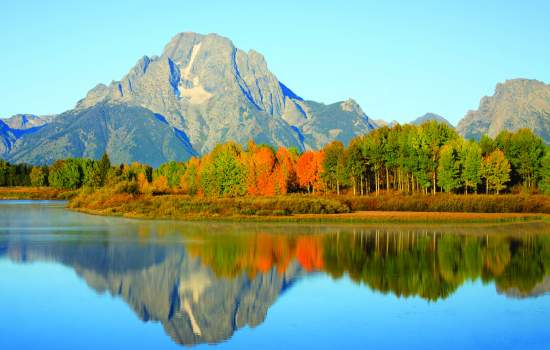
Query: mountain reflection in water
{"x": 205, "y": 281}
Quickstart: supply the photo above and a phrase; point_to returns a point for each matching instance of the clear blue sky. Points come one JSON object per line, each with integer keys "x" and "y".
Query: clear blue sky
{"x": 397, "y": 59}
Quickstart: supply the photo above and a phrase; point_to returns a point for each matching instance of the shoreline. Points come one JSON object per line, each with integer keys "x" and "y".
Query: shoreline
{"x": 35, "y": 193}
{"x": 360, "y": 217}
{"x": 281, "y": 209}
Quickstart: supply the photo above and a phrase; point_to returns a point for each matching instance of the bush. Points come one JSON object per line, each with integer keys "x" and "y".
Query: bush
{"x": 129, "y": 187}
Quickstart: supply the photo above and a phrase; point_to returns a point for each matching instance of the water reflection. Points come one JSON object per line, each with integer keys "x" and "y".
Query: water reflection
{"x": 205, "y": 281}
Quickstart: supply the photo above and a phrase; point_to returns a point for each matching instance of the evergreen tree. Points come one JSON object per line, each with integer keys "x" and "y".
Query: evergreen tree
{"x": 104, "y": 167}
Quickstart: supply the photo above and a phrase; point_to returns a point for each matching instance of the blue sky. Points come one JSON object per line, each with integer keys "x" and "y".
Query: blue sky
{"x": 397, "y": 59}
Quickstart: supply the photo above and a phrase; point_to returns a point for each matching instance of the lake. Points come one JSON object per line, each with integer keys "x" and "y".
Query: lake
{"x": 75, "y": 281}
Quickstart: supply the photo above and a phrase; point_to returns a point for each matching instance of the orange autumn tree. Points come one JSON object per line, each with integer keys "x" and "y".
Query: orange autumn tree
{"x": 260, "y": 164}
{"x": 284, "y": 174}
{"x": 309, "y": 252}
{"x": 308, "y": 170}
{"x": 259, "y": 253}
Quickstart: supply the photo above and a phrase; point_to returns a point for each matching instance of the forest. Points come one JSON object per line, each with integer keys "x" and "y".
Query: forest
{"x": 408, "y": 159}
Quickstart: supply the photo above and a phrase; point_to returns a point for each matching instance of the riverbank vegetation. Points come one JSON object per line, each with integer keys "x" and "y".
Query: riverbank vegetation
{"x": 403, "y": 168}
{"x": 35, "y": 193}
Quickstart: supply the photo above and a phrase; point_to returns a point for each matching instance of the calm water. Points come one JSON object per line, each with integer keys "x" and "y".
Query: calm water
{"x": 72, "y": 281}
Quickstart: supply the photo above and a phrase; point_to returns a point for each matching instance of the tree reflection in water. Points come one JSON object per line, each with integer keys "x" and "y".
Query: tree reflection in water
{"x": 203, "y": 282}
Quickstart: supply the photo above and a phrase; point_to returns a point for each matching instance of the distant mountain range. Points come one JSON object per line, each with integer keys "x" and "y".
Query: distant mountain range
{"x": 203, "y": 90}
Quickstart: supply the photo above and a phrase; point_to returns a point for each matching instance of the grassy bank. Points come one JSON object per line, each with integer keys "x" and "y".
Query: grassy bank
{"x": 293, "y": 208}
{"x": 35, "y": 193}
{"x": 507, "y": 203}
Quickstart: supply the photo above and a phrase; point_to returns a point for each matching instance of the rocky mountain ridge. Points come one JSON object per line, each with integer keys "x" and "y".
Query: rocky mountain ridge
{"x": 203, "y": 88}
{"x": 515, "y": 104}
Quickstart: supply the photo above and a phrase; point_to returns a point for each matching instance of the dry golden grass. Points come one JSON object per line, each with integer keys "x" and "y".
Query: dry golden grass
{"x": 290, "y": 208}
{"x": 36, "y": 193}
{"x": 410, "y": 216}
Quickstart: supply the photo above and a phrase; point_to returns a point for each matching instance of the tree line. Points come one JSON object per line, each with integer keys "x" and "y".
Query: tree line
{"x": 407, "y": 158}
{"x": 426, "y": 264}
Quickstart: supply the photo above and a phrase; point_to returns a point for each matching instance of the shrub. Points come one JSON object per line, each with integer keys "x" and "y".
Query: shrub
{"x": 129, "y": 187}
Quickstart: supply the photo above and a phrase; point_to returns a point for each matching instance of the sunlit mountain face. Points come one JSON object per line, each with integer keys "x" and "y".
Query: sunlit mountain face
{"x": 204, "y": 282}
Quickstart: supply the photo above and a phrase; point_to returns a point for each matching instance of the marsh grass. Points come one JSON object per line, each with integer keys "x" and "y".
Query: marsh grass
{"x": 35, "y": 193}
{"x": 307, "y": 208}
{"x": 508, "y": 203}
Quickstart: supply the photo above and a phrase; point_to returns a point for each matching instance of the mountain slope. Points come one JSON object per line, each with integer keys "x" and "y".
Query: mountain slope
{"x": 126, "y": 133}
{"x": 216, "y": 92}
{"x": 164, "y": 283}
{"x": 431, "y": 116}
{"x": 7, "y": 138}
{"x": 338, "y": 121}
{"x": 27, "y": 121}
{"x": 518, "y": 103}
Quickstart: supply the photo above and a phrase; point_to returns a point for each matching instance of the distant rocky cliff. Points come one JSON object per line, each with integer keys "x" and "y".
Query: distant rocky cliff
{"x": 516, "y": 104}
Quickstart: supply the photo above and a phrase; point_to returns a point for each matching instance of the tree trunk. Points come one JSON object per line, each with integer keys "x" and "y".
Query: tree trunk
{"x": 387, "y": 180}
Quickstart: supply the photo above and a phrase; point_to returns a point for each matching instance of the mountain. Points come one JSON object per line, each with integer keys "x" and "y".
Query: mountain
{"x": 540, "y": 288}
{"x": 164, "y": 283}
{"x": 431, "y": 116}
{"x": 215, "y": 92}
{"x": 7, "y": 138}
{"x": 27, "y": 121}
{"x": 518, "y": 103}
{"x": 127, "y": 133}
{"x": 200, "y": 92}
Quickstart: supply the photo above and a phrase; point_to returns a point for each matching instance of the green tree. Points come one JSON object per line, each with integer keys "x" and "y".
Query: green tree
{"x": 435, "y": 135}
{"x": 356, "y": 165}
{"x": 471, "y": 165}
{"x": 39, "y": 176}
{"x": 373, "y": 151}
{"x": 496, "y": 171}
{"x": 334, "y": 173}
{"x": 223, "y": 172}
{"x": 173, "y": 171}
{"x": 104, "y": 167}
{"x": 544, "y": 173}
{"x": 525, "y": 154}
{"x": 448, "y": 170}
{"x": 91, "y": 173}
{"x": 487, "y": 145}
{"x": 66, "y": 174}
{"x": 4, "y": 172}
